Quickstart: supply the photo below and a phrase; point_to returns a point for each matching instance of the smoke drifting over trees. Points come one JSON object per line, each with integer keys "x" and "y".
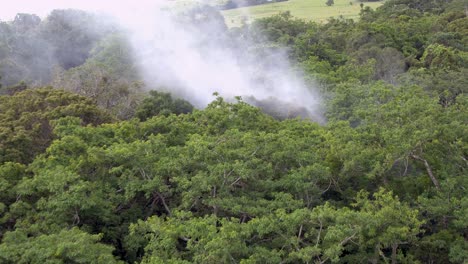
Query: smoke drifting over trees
{"x": 191, "y": 53}
{"x": 31, "y": 48}
{"x": 132, "y": 173}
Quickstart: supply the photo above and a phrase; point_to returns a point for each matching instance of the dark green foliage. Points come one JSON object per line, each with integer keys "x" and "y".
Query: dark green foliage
{"x": 383, "y": 181}
{"x": 11, "y": 90}
{"x": 235, "y": 181}
{"x": 67, "y": 246}
{"x": 161, "y": 103}
{"x": 25, "y": 129}
{"x": 109, "y": 77}
{"x": 282, "y": 28}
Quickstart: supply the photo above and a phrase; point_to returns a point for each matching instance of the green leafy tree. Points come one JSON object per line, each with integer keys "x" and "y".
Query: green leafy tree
{"x": 25, "y": 129}
{"x": 161, "y": 103}
{"x": 109, "y": 77}
{"x": 66, "y": 246}
{"x": 298, "y": 236}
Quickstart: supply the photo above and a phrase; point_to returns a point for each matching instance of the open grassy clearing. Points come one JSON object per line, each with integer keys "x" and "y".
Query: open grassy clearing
{"x": 312, "y": 10}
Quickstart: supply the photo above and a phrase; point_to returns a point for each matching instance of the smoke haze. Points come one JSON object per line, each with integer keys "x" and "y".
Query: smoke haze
{"x": 192, "y": 55}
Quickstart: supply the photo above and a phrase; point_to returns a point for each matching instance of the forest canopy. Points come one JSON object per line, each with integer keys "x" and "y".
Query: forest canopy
{"x": 96, "y": 168}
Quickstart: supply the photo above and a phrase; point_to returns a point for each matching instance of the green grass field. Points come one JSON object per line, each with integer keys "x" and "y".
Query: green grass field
{"x": 312, "y": 10}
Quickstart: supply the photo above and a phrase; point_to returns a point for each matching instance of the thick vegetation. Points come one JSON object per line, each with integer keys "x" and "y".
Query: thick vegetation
{"x": 384, "y": 180}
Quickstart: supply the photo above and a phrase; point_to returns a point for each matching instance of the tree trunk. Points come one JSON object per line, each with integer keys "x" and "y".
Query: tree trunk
{"x": 394, "y": 253}
{"x": 429, "y": 171}
{"x": 375, "y": 258}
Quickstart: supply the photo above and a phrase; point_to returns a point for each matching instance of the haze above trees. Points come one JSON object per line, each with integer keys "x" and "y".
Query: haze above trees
{"x": 94, "y": 169}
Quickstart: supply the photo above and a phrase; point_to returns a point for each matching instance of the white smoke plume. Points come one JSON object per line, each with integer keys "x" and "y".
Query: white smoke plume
{"x": 195, "y": 60}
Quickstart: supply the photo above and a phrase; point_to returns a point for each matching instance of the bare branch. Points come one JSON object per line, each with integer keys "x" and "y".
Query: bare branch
{"x": 406, "y": 167}
{"x": 328, "y": 188}
{"x": 236, "y": 181}
{"x": 143, "y": 173}
{"x": 300, "y": 233}
{"x": 319, "y": 234}
{"x": 163, "y": 201}
{"x": 429, "y": 170}
{"x": 76, "y": 217}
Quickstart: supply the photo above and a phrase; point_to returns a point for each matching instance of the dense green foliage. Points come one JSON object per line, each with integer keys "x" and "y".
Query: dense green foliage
{"x": 160, "y": 103}
{"x": 384, "y": 180}
{"x": 25, "y": 120}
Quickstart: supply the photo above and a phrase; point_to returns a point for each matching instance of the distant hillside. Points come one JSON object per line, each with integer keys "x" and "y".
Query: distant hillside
{"x": 231, "y": 4}
{"x": 310, "y": 10}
